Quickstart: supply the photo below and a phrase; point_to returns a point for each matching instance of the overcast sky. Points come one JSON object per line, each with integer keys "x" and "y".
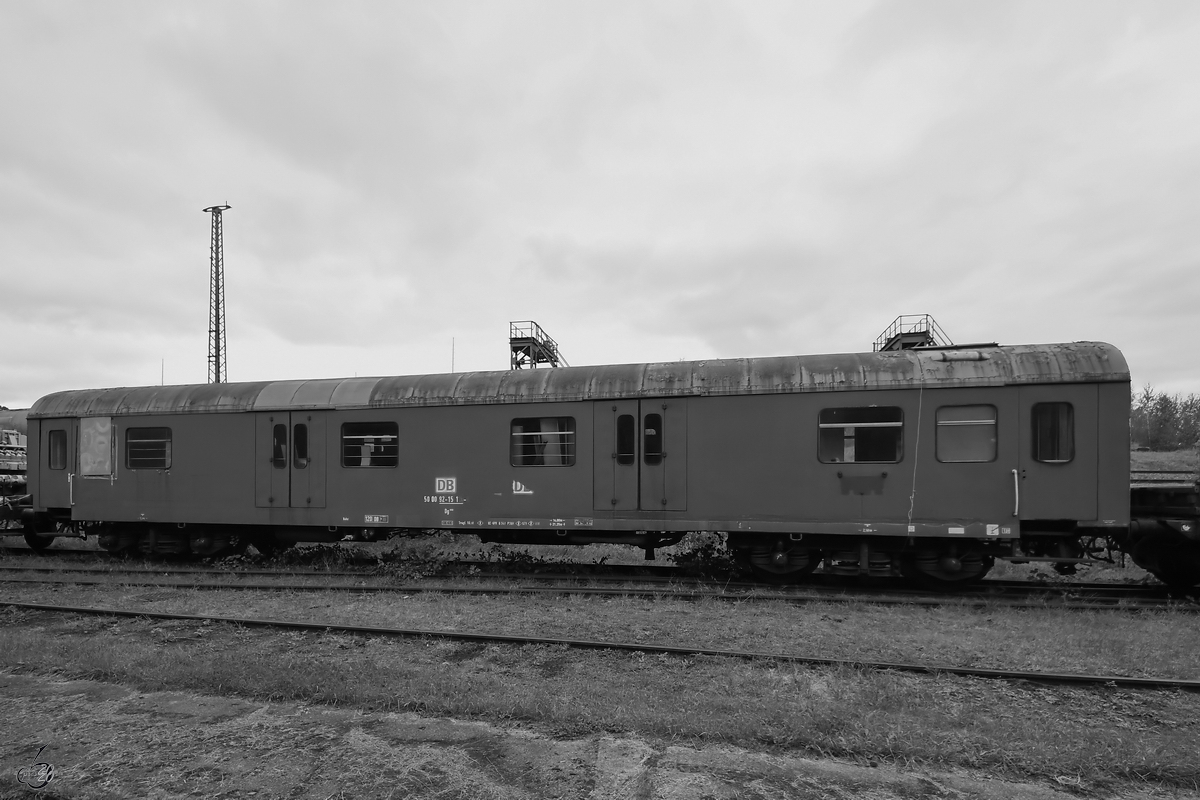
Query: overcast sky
{"x": 649, "y": 181}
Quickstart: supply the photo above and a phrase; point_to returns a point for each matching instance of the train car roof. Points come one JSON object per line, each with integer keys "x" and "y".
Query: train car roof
{"x": 976, "y": 365}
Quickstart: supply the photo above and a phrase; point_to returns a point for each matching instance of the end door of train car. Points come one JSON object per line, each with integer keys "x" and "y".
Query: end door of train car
{"x": 55, "y": 457}
{"x": 1059, "y": 458}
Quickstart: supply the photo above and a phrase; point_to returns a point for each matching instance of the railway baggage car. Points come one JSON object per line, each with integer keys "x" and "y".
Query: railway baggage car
{"x": 931, "y": 461}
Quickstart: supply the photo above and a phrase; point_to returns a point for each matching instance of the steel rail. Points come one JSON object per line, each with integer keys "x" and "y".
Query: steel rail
{"x": 815, "y": 581}
{"x": 188, "y": 571}
{"x": 693, "y": 594}
{"x": 639, "y": 647}
{"x": 1089, "y": 595}
{"x": 613, "y": 574}
{"x": 580, "y": 570}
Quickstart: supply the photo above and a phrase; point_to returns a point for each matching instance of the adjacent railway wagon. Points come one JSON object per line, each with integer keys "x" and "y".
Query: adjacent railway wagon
{"x": 13, "y": 496}
{"x": 933, "y": 461}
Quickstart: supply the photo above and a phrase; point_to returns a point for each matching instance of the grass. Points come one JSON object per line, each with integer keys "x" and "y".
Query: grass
{"x": 1188, "y": 459}
{"x": 1155, "y": 643}
{"x": 1024, "y": 731}
{"x": 1016, "y": 730}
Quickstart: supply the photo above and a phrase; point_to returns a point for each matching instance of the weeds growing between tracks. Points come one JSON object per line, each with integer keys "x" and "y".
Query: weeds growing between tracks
{"x": 1016, "y": 730}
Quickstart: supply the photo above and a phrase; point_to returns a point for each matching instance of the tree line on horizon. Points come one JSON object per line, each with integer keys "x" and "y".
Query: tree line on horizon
{"x": 1162, "y": 421}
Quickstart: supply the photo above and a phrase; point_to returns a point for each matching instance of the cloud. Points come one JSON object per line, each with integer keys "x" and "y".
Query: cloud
{"x": 647, "y": 180}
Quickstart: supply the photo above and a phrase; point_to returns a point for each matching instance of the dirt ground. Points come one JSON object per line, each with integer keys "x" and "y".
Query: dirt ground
{"x": 108, "y": 741}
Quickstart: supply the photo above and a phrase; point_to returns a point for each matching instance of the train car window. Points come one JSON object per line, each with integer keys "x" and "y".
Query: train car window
{"x": 370, "y": 444}
{"x": 543, "y": 442}
{"x": 300, "y": 445}
{"x": 652, "y": 444}
{"x": 279, "y": 446}
{"x": 966, "y": 434}
{"x": 626, "y": 440}
{"x": 1053, "y": 432}
{"x": 58, "y": 449}
{"x": 863, "y": 435}
{"x": 95, "y": 447}
{"x": 148, "y": 448}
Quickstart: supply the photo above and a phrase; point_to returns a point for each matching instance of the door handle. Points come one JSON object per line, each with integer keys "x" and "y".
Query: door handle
{"x": 1016, "y": 493}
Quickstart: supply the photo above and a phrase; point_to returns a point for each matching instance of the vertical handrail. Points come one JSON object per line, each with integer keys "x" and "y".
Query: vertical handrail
{"x": 1016, "y": 493}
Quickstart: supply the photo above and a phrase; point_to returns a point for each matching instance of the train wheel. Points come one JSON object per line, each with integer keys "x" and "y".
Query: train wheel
{"x": 38, "y": 541}
{"x": 947, "y": 569}
{"x": 784, "y": 562}
{"x": 40, "y": 531}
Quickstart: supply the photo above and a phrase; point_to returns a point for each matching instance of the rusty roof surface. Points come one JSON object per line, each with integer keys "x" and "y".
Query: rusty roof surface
{"x": 986, "y": 365}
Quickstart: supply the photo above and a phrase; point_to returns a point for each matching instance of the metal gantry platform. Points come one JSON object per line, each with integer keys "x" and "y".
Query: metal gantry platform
{"x": 912, "y": 330}
{"x": 531, "y": 347}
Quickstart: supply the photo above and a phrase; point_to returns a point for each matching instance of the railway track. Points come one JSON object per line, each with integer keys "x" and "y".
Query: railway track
{"x": 1009, "y": 594}
{"x": 1122, "y": 681}
{"x": 635, "y": 579}
{"x": 477, "y": 568}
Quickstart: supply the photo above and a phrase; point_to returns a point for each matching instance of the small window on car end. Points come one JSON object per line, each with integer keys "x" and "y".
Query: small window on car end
{"x": 58, "y": 449}
{"x": 1053, "y": 433}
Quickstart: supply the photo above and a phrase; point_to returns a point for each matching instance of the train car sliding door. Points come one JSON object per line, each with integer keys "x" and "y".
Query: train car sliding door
{"x": 615, "y": 456}
{"x": 289, "y": 459}
{"x": 663, "y": 435}
{"x": 308, "y": 459}
{"x": 640, "y": 449}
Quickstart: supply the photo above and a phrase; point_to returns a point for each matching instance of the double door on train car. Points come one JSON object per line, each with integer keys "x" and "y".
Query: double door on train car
{"x": 289, "y": 459}
{"x": 640, "y": 455}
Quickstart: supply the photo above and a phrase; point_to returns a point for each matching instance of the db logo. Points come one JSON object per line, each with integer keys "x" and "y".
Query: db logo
{"x": 447, "y": 485}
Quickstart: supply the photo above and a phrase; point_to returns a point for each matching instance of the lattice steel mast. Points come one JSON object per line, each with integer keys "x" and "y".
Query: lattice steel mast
{"x": 217, "y": 368}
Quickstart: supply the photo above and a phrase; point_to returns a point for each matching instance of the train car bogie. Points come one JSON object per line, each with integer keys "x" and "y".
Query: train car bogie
{"x": 947, "y": 567}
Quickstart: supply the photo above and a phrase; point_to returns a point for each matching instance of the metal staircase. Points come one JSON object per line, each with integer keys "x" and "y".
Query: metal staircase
{"x": 912, "y": 330}
{"x": 531, "y": 347}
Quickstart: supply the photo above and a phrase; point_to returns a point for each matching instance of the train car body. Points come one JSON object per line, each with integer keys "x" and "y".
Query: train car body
{"x": 13, "y": 493}
{"x": 933, "y": 459}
